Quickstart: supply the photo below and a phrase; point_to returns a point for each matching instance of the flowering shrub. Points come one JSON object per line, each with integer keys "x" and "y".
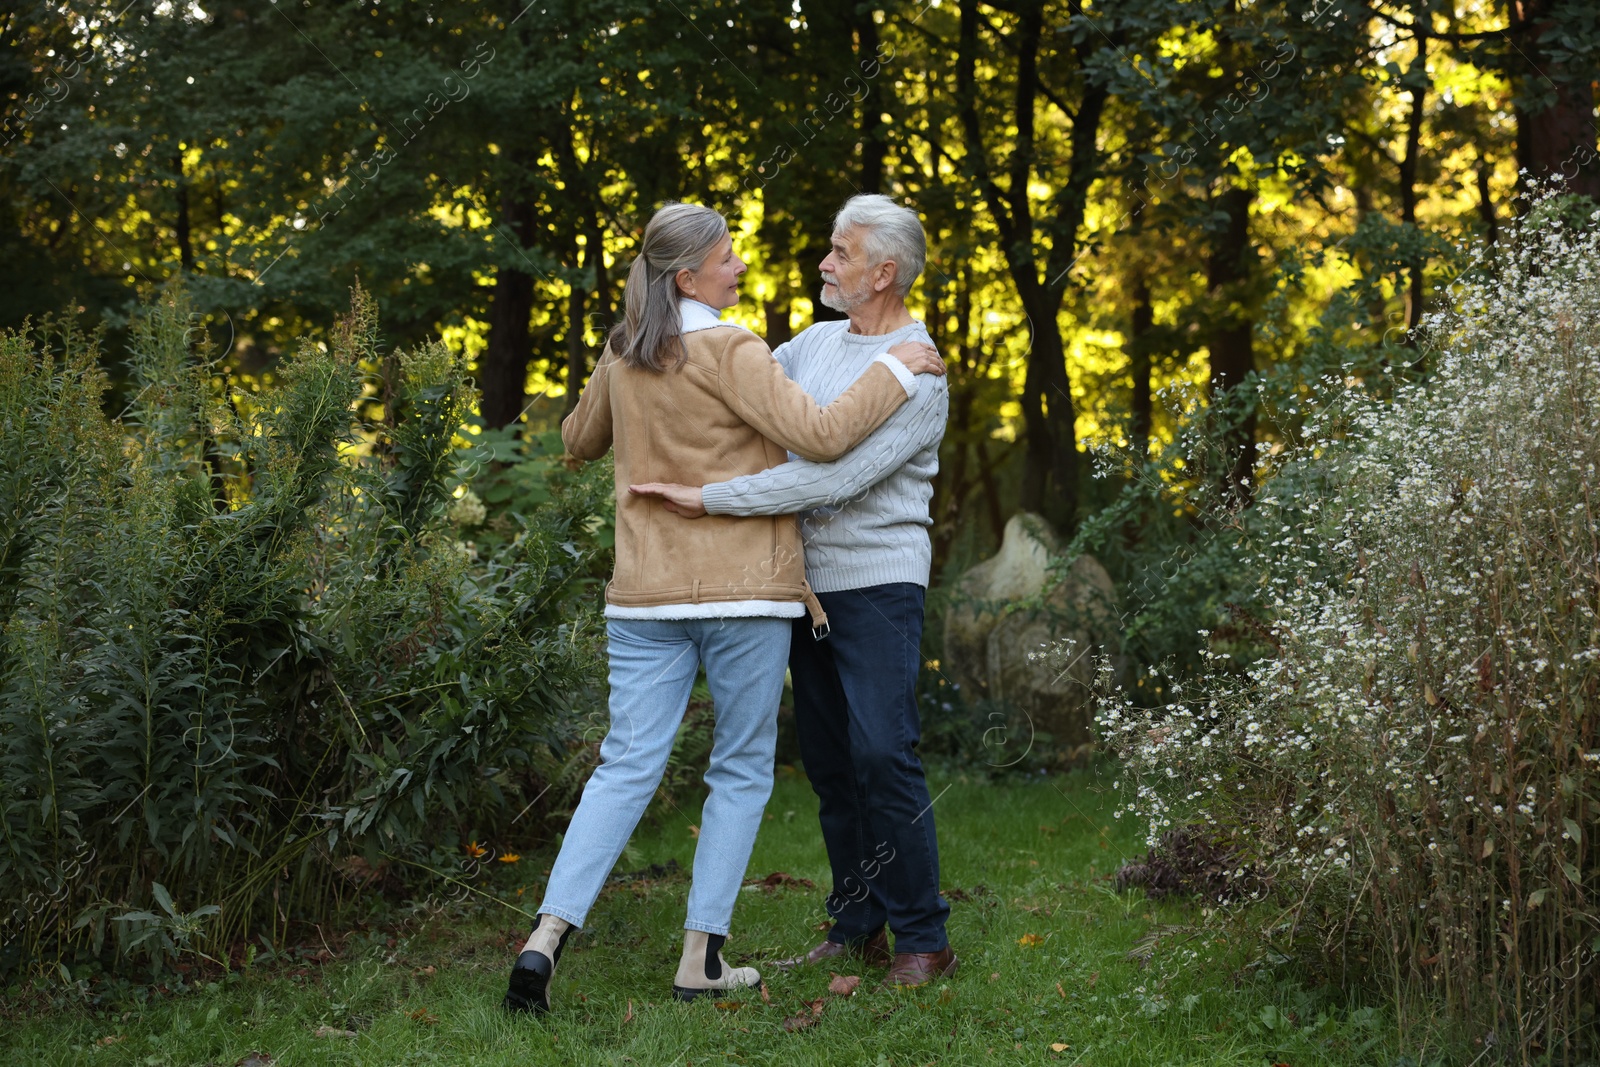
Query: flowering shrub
{"x": 1415, "y": 763}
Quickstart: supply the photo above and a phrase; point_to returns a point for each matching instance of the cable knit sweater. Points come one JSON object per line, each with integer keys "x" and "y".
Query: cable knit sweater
{"x": 863, "y": 518}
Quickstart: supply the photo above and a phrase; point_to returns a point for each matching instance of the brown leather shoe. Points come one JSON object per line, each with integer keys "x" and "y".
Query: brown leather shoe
{"x": 911, "y": 969}
{"x": 874, "y": 951}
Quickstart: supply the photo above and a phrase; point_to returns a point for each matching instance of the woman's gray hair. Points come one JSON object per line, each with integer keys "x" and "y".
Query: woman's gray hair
{"x": 890, "y": 233}
{"x": 678, "y": 236}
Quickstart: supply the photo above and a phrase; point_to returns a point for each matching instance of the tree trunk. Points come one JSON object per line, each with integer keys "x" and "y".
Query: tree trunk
{"x": 582, "y": 187}
{"x": 503, "y": 370}
{"x": 874, "y": 145}
{"x": 1555, "y": 139}
{"x": 605, "y": 312}
{"x": 1232, "y": 349}
{"x": 185, "y": 240}
{"x": 1418, "y": 74}
{"x": 1491, "y": 224}
{"x": 1050, "y": 460}
{"x": 1139, "y": 365}
{"x": 776, "y": 313}
{"x": 991, "y": 491}
{"x": 950, "y": 486}
{"x": 577, "y": 348}
{"x": 579, "y": 318}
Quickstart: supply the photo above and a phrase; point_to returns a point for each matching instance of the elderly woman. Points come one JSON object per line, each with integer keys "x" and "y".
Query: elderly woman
{"x": 680, "y": 396}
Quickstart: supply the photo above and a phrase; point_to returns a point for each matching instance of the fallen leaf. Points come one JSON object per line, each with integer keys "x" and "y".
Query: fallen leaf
{"x": 729, "y": 1005}
{"x": 254, "y": 1059}
{"x": 825, "y": 924}
{"x": 801, "y": 1021}
{"x": 1060, "y": 1046}
{"x": 1093, "y": 978}
{"x": 766, "y": 998}
{"x": 426, "y": 972}
{"x": 694, "y": 832}
{"x": 111, "y": 1039}
{"x": 995, "y": 977}
{"x": 1030, "y": 940}
{"x": 628, "y": 1018}
{"x": 844, "y": 985}
{"x": 425, "y": 1017}
{"x": 1062, "y": 992}
{"x": 778, "y": 880}
{"x": 332, "y": 1031}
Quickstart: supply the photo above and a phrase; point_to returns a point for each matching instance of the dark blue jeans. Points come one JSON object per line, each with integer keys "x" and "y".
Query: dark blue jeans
{"x": 856, "y": 715}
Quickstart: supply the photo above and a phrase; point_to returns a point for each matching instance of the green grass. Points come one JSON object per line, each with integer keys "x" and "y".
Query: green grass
{"x": 1045, "y": 960}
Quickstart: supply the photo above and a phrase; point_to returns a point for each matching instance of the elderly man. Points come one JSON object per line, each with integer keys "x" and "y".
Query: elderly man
{"x": 864, "y": 521}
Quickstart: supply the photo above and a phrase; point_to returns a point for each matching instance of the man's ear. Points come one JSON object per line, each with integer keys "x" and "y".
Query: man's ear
{"x": 883, "y": 275}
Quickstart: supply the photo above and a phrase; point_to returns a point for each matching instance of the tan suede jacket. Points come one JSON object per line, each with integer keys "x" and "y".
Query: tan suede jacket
{"x": 729, "y": 410}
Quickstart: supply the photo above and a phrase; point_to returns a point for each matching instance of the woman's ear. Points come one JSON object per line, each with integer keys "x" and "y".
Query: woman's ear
{"x": 685, "y": 281}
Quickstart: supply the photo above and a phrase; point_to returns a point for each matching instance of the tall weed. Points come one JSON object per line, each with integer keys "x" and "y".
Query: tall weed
{"x": 247, "y": 665}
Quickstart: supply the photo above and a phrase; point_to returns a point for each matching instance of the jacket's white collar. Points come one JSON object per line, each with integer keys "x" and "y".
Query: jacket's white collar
{"x": 698, "y": 316}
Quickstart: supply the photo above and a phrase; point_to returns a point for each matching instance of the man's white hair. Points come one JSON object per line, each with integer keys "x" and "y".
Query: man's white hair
{"x": 889, "y": 232}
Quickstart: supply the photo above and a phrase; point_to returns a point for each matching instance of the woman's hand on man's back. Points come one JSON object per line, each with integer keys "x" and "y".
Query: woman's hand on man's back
{"x": 679, "y": 499}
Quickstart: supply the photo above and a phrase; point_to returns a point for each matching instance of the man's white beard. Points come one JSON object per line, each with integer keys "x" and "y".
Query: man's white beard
{"x": 841, "y": 300}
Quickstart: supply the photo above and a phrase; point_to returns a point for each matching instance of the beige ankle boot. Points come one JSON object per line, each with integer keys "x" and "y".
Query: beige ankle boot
{"x": 703, "y": 970}
{"x": 529, "y": 989}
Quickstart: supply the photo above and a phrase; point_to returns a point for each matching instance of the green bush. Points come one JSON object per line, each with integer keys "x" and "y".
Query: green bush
{"x": 1414, "y": 766}
{"x": 517, "y": 472}
{"x": 248, "y": 669}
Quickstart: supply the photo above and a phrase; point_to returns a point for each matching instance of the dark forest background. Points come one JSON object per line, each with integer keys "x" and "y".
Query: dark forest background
{"x": 1120, "y": 197}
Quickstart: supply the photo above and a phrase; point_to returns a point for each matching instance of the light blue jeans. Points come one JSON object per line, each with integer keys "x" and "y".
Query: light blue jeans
{"x": 653, "y": 667}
